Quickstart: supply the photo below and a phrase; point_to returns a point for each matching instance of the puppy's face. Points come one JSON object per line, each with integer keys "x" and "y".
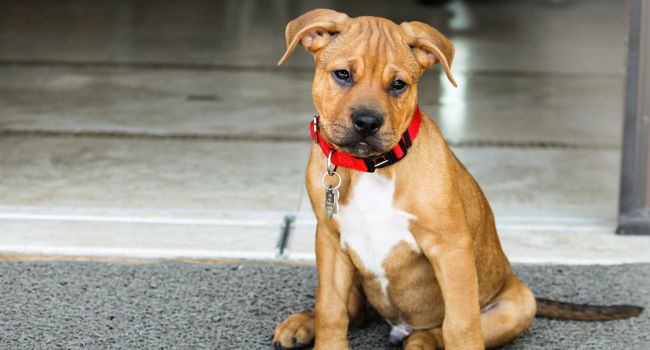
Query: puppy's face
{"x": 367, "y": 69}
{"x": 365, "y": 87}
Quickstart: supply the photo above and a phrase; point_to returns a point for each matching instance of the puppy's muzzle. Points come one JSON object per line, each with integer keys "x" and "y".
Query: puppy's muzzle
{"x": 366, "y": 123}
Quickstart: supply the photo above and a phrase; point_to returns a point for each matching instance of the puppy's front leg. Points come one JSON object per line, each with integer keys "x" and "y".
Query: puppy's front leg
{"x": 449, "y": 249}
{"x": 335, "y": 281}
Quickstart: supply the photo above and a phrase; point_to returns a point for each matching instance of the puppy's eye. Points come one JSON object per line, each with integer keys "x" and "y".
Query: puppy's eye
{"x": 398, "y": 85}
{"x": 343, "y": 76}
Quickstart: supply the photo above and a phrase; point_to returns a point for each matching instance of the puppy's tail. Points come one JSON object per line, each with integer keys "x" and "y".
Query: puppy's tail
{"x": 584, "y": 312}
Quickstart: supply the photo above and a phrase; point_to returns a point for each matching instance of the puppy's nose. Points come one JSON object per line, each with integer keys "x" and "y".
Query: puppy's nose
{"x": 366, "y": 123}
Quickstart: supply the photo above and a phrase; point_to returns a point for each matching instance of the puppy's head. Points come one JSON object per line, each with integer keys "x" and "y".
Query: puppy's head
{"x": 367, "y": 69}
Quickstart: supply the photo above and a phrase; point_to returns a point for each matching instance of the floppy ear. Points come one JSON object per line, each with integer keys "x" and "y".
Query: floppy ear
{"x": 313, "y": 30}
{"x": 429, "y": 46}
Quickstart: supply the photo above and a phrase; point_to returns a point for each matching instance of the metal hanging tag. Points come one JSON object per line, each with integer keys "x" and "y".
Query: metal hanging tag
{"x": 331, "y": 192}
{"x": 331, "y": 201}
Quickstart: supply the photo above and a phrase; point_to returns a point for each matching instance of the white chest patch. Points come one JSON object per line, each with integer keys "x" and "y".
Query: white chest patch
{"x": 371, "y": 226}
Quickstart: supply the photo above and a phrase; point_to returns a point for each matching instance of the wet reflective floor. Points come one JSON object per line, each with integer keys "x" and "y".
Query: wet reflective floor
{"x": 157, "y": 129}
{"x": 541, "y": 36}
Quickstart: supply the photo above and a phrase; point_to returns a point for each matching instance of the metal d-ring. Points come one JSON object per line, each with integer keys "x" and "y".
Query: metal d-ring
{"x": 322, "y": 180}
{"x": 330, "y": 171}
{"x": 316, "y": 129}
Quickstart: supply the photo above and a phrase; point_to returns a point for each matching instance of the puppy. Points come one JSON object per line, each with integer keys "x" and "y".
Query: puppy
{"x": 401, "y": 222}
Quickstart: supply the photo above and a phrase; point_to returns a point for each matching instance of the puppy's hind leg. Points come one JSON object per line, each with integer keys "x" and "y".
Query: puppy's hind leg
{"x": 510, "y": 312}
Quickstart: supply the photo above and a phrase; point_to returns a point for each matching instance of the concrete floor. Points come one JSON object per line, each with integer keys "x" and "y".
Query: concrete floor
{"x": 133, "y": 129}
{"x": 172, "y": 305}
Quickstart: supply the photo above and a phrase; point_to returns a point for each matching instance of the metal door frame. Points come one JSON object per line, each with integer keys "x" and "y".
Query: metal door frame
{"x": 634, "y": 200}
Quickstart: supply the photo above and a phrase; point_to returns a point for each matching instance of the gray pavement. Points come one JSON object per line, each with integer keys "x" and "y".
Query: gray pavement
{"x": 171, "y": 305}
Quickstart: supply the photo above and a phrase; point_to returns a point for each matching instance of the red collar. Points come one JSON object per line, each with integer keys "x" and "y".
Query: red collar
{"x": 371, "y": 163}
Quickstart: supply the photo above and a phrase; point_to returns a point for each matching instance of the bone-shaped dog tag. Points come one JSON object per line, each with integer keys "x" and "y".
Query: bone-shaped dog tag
{"x": 331, "y": 201}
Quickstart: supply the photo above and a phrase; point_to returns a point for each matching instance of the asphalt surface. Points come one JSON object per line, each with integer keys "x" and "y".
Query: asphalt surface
{"x": 172, "y": 305}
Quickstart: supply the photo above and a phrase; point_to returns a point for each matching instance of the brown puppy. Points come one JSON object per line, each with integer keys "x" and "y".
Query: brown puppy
{"x": 416, "y": 237}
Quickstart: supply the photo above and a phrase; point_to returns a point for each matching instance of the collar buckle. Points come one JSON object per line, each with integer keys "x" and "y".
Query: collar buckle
{"x": 380, "y": 161}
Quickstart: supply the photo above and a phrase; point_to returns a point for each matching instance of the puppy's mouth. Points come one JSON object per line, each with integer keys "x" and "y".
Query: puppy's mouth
{"x": 362, "y": 146}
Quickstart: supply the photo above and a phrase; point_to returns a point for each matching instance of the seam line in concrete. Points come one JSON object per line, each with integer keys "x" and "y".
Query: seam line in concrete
{"x": 135, "y": 253}
{"x": 541, "y": 223}
{"x": 135, "y": 220}
{"x": 231, "y": 254}
{"x": 37, "y": 133}
{"x": 9, "y": 208}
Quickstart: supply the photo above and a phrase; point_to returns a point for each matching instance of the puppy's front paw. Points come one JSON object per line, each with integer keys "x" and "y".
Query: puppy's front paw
{"x": 295, "y": 331}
